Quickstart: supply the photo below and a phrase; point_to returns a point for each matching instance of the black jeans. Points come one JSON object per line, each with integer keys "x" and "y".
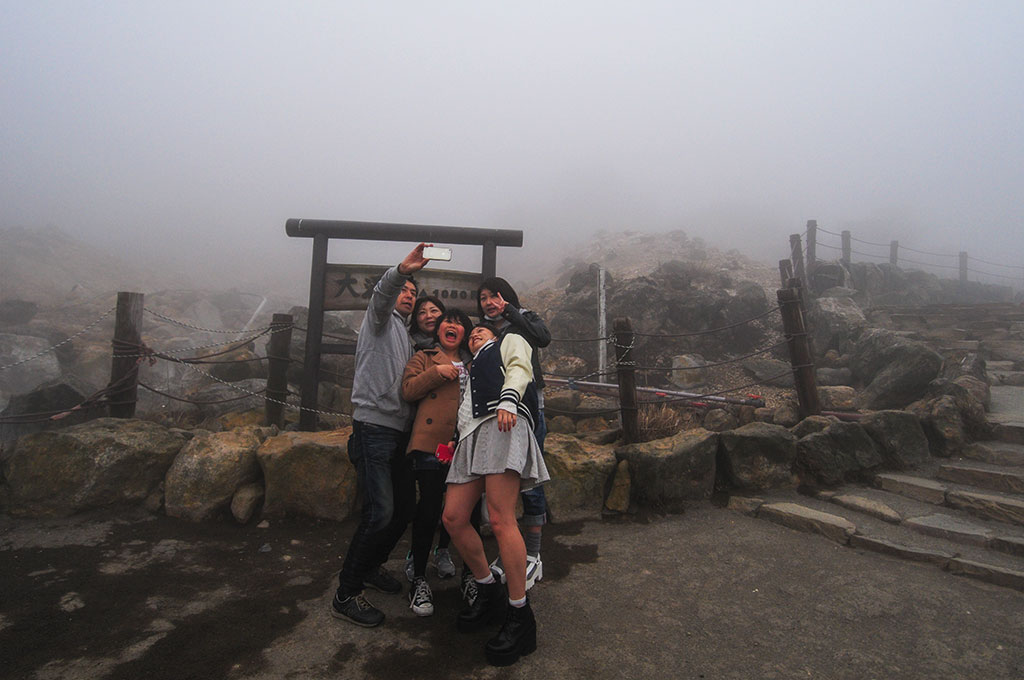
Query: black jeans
{"x": 431, "y": 483}
{"x": 389, "y": 493}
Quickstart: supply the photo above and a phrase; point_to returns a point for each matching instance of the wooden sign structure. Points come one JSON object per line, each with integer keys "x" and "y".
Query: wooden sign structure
{"x": 340, "y": 287}
{"x": 349, "y": 286}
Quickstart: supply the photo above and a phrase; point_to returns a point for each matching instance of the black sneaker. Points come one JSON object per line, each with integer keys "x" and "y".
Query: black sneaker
{"x": 383, "y": 581}
{"x": 356, "y": 609}
{"x": 421, "y": 600}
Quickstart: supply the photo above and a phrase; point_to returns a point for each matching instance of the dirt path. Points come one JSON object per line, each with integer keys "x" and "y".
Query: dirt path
{"x": 709, "y": 594}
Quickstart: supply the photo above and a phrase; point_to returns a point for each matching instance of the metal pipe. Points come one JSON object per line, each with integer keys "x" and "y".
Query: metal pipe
{"x": 593, "y": 386}
{"x": 602, "y": 326}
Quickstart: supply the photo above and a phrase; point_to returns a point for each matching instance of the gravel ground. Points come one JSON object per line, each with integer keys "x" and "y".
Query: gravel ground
{"x": 707, "y": 594}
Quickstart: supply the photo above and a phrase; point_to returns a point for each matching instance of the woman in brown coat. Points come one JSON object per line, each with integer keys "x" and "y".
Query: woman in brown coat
{"x": 432, "y": 380}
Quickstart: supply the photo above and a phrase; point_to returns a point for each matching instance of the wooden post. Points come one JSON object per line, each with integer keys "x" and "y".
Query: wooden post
{"x": 124, "y": 370}
{"x": 785, "y": 271}
{"x": 963, "y": 267}
{"x": 796, "y": 254}
{"x": 627, "y": 380}
{"x": 894, "y": 252}
{"x": 314, "y": 334}
{"x": 278, "y": 352}
{"x": 847, "y": 250}
{"x": 791, "y": 307}
{"x": 489, "y": 260}
{"x": 812, "y": 242}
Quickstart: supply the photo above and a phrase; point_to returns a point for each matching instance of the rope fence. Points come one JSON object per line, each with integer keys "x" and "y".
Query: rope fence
{"x": 1011, "y": 273}
{"x": 130, "y": 353}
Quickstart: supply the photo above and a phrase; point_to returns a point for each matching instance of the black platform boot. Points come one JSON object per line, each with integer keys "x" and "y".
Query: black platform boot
{"x": 487, "y": 608}
{"x": 518, "y": 637}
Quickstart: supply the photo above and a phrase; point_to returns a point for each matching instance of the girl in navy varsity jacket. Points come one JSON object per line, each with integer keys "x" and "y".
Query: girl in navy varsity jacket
{"x": 498, "y": 453}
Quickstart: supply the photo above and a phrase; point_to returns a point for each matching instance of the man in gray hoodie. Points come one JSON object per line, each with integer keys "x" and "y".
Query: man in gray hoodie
{"x": 381, "y": 421}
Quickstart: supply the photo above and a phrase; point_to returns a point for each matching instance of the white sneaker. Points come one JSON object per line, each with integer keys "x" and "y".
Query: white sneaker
{"x": 421, "y": 600}
{"x": 534, "y": 570}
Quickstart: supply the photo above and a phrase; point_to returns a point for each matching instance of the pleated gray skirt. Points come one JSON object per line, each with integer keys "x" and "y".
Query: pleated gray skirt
{"x": 488, "y": 451}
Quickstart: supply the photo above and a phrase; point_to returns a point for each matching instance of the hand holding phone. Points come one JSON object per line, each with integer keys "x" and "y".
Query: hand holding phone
{"x": 437, "y": 253}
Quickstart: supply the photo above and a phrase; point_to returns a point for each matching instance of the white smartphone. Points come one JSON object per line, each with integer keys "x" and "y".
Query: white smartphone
{"x": 435, "y": 253}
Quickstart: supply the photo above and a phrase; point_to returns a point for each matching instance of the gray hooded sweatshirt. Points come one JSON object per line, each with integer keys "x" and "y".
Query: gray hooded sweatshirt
{"x": 382, "y": 351}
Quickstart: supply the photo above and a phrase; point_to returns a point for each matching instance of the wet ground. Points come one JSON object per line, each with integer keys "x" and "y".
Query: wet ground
{"x": 707, "y": 594}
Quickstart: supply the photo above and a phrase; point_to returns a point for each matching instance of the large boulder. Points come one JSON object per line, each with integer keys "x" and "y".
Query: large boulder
{"x": 837, "y": 398}
{"x": 667, "y": 472}
{"x": 841, "y": 452}
{"x": 758, "y": 456}
{"x": 28, "y": 363}
{"x": 308, "y": 473}
{"x": 770, "y": 371}
{"x": 834, "y": 321}
{"x": 719, "y": 420}
{"x": 952, "y": 417}
{"x": 101, "y": 463}
{"x": 580, "y": 471}
{"x": 688, "y": 371}
{"x": 17, "y": 312}
{"x": 46, "y": 399}
{"x": 899, "y": 437}
{"x": 966, "y": 363}
{"x": 812, "y": 424}
{"x": 241, "y": 364}
{"x": 867, "y": 277}
{"x": 979, "y": 389}
{"x": 826, "y": 376}
{"x": 823, "y": 275}
{"x": 894, "y": 370}
{"x": 208, "y": 471}
{"x": 215, "y": 400}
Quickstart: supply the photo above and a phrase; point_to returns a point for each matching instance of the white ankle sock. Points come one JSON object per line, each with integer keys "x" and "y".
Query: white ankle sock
{"x": 517, "y": 603}
{"x": 489, "y": 579}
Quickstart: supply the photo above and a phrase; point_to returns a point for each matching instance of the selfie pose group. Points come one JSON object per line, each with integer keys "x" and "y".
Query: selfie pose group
{"x": 454, "y": 412}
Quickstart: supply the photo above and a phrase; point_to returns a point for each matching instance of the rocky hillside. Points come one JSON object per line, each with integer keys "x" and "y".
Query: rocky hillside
{"x": 630, "y": 254}
{"x": 48, "y": 267}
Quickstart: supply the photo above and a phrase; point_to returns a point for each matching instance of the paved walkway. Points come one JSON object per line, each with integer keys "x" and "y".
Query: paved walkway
{"x": 707, "y": 594}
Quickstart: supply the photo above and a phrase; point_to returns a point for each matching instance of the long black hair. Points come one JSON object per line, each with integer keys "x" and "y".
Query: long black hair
{"x": 414, "y": 326}
{"x": 498, "y": 285}
{"x": 459, "y": 317}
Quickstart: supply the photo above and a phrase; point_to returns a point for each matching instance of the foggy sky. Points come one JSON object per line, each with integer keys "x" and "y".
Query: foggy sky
{"x": 190, "y": 131}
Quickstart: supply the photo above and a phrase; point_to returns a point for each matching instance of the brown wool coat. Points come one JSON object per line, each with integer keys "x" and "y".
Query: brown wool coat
{"x": 436, "y": 400}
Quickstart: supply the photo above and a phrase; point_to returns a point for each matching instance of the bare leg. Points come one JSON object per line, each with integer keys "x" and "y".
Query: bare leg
{"x": 458, "y": 507}
{"x": 502, "y": 494}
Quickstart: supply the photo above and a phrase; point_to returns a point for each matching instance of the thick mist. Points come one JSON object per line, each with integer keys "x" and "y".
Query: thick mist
{"x": 183, "y": 135}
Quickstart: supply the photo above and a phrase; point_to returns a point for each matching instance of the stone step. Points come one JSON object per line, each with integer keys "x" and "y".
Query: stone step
{"x": 802, "y": 518}
{"x": 986, "y": 551}
{"x": 1000, "y": 576}
{"x": 918, "y": 488}
{"x": 996, "y": 453}
{"x": 950, "y": 528}
{"x": 869, "y": 506}
{"x": 1000, "y": 507}
{"x": 1012, "y": 433}
{"x": 1009, "y": 509}
{"x": 984, "y": 475}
